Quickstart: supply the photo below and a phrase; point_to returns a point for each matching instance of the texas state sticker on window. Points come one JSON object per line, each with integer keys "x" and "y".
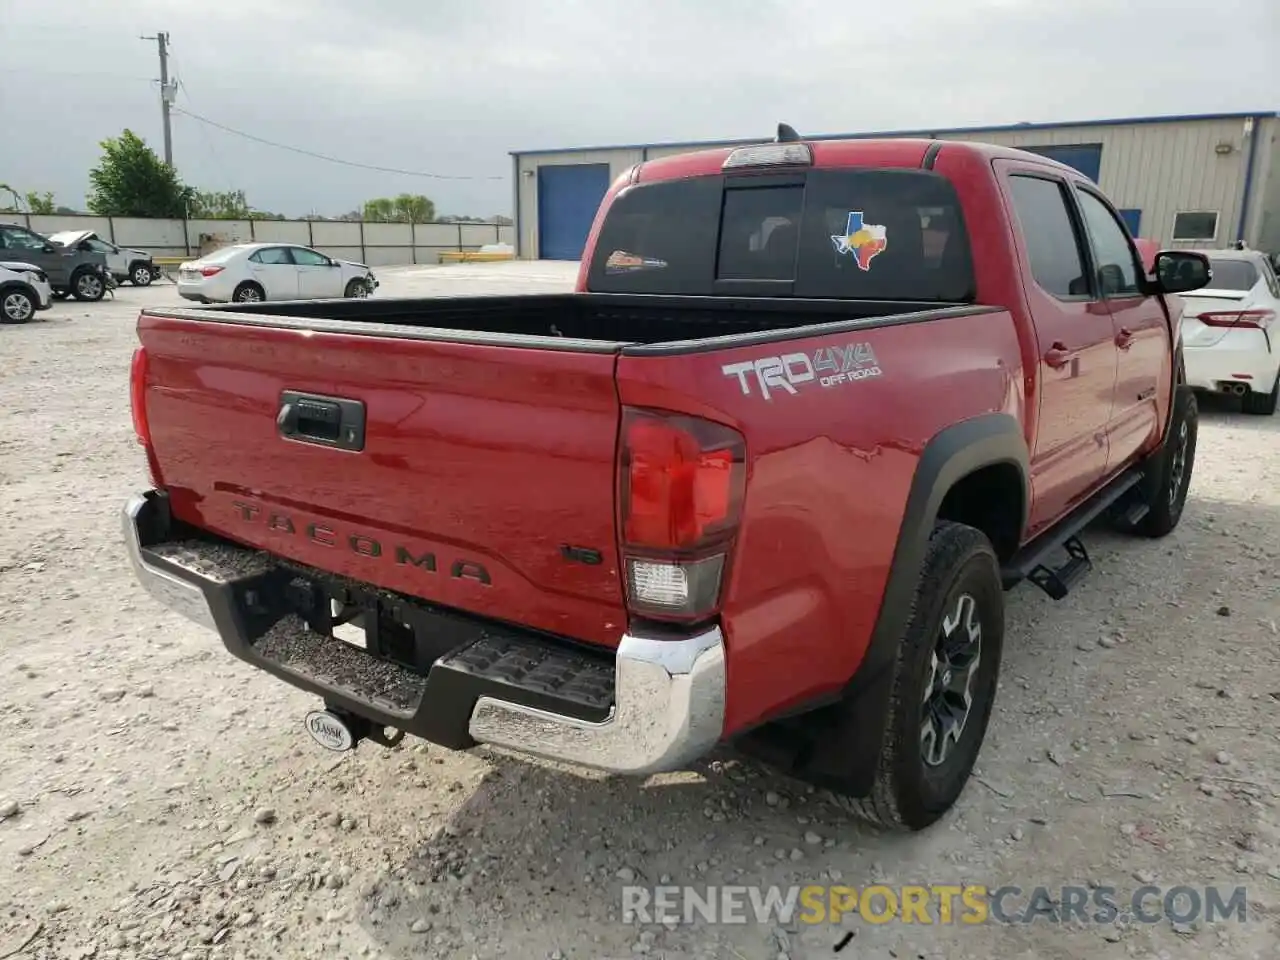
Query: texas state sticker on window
{"x": 862, "y": 241}
{"x": 622, "y": 262}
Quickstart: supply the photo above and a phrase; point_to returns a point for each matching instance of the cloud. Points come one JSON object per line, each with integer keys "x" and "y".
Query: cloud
{"x": 451, "y": 88}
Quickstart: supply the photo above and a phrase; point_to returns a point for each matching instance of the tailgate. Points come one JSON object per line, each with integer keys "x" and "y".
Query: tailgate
{"x": 480, "y": 463}
{"x": 1198, "y": 334}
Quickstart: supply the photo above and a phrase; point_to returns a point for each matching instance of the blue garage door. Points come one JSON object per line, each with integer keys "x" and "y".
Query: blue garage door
{"x": 568, "y": 196}
{"x": 1085, "y": 157}
{"x": 1133, "y": 220}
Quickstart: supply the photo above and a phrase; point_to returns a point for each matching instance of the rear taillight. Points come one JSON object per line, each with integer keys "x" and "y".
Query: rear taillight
{"x": 211, "y": 271}
{"x": 1253, "y": 319}
{"x": 138, "y": 396}
{"x": 681, "y": 483}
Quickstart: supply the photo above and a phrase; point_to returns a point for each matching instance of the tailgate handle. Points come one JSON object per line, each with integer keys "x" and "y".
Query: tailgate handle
{"x": 327, "y": 421}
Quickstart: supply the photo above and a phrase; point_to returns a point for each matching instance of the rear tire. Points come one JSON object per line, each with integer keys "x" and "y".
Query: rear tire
{"x": 1262, "y": 404}
{"x": 1168, "y": 471}
{"x": 248, "y": 292}
{"x": 88, "y": 286}
{"x": 943, "y": 684}
{"x": 16, "y": 306}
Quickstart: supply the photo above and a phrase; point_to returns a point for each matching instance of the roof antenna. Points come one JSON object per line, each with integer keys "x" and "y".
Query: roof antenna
{"x": 786, "y": 134}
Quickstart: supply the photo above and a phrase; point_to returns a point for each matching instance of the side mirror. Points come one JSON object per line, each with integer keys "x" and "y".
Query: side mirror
{"x": 334, "y": 263}
{"x": 50, "y": 248}
{"x": 1181, "y": 272}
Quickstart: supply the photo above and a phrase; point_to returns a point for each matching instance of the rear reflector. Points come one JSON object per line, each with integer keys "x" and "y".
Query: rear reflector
{"x": 770, "y": 155}
{"x": 681, "y": 483}
{"x": 138, "y": 396}
{"x": 138, "y": 407}
{"x": 1252, "y": 319}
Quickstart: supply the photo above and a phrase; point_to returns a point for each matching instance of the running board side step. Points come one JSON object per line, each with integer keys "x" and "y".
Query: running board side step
{"x": 1032, "y": 561}
{"x": 1058, "y": 581}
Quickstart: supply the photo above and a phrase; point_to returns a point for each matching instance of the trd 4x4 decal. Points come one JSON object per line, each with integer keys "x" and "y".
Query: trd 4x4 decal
{"x": 829, "y": 367}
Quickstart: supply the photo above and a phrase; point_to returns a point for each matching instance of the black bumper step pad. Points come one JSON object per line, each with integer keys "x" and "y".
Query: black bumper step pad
{"x": 583, "y": 678}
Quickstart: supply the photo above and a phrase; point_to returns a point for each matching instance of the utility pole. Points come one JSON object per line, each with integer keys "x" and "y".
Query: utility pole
{"x": 166, "y": 92}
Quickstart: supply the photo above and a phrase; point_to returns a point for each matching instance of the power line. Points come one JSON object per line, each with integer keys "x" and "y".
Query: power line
{"x": 325, "y": 157}
{"x": 95, "y": 74}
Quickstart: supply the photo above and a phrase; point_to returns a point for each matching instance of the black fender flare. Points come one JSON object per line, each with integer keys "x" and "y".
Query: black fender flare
{"x": 853, "y": 754}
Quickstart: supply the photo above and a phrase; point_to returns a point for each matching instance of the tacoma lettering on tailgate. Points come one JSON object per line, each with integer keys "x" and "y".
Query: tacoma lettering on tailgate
{"x": 829, "y": 367}
{"x": 459, "y": 568}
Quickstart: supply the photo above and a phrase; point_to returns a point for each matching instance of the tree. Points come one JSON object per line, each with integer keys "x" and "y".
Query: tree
{"x": 131, "y": 181}
{"x": 16, "y": 205}
{"x": 34, "y": 201}
{"x": 406, "y": 208}
{"x": 380, "y": 209}
{"x": 40, "y": 203}
{"x": 220, "y": 205}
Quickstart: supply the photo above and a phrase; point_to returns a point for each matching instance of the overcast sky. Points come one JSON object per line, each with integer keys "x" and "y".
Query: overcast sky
{"x": 451, "y": 88}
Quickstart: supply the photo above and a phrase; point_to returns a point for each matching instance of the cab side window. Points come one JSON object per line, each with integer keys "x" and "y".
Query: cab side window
{"x": 1053, "y": 247}
{"x": 1117, "y": 263}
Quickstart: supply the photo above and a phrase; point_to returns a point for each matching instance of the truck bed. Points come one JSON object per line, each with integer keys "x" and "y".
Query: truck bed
{"x": 590, "y": 322}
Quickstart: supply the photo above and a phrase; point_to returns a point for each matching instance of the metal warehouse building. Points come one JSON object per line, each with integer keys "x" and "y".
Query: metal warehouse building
{"x": 1198, "y": 181}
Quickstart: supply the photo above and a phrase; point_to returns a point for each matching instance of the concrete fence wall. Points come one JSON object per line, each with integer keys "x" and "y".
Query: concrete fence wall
{"x": 377, "y": 244}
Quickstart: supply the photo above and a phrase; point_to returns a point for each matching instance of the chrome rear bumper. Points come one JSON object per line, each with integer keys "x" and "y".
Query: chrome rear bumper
{"x": 665, "y": 708}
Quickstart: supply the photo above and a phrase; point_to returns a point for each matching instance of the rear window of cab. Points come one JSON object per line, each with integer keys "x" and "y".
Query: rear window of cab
{"x": 840, "y": 234}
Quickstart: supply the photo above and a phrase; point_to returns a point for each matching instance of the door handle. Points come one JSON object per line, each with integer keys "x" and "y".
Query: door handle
{"x": 1057, "y": 355}
{"x": 1124, "y": 339}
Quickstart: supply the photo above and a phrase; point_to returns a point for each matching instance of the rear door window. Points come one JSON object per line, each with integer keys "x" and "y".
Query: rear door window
{"x": 1049, "y": 235}
{"x": 1231, "y": 274}
{"x": 840, "y": 234}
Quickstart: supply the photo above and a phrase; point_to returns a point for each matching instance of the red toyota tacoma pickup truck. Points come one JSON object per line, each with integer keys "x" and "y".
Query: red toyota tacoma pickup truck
{"x": 763, "y": 478}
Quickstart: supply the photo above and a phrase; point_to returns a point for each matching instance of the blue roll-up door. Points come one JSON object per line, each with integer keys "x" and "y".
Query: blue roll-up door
{"x": 1133, "y": 220}
{"x": 568, "y": 197}
{"x": 1085, "y": 157}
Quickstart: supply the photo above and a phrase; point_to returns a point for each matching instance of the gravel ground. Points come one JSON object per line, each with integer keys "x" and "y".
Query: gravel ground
{"x": 160, "y": 799}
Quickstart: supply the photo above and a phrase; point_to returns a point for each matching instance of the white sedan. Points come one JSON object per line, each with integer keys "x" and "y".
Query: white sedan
{"x": 252, "y": 272}
{"x": 1230, "y": 337}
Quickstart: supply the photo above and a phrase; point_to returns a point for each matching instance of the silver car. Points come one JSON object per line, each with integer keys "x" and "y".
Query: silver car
{"x": 136, "y": 266}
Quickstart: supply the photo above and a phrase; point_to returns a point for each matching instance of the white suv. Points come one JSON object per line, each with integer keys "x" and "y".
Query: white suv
{"x": 24, "y": 289}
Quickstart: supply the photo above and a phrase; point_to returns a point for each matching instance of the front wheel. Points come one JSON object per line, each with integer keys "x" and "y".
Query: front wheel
{"x": 88, "y": 286}
{"x": 356, "y": 288}
{"x": 141, "y": 275}
{"x": 17, "y": 306}
{"x": 943, "y": 684}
